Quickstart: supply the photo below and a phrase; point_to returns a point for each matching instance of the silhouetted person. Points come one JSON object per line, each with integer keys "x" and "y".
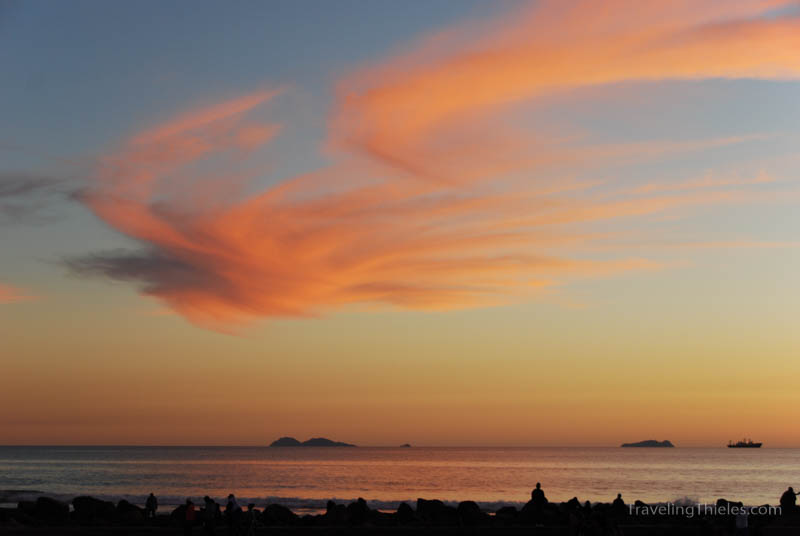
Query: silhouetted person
{"x": 538, "y": 500}
{"x": 233, "y": 514}
{"x": 210, "y": 515}
{"x": 150, "y": 506}
{"x": 618, "y": 505}
{"x": 788, "y": 501}
{"x": 537, "y": 496}
{"x": 189, "y": 517}
{"x": 250, "y": 520}
{"x": 618, "y": 511}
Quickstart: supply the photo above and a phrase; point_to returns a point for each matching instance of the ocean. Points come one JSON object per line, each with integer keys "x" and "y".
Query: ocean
{"x": 304, "y": 479}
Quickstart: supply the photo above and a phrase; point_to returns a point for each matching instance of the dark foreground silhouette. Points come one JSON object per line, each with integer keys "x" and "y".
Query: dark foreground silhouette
{"x": 539, "y": 516}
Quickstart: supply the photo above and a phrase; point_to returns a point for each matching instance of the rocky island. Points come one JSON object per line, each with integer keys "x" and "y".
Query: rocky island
{"x": 313, "y": 442}
{"x": 649, "y": 443}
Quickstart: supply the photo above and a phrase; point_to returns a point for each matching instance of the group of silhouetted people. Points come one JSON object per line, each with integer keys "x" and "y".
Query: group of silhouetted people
{"x": 582, "y": 518}
{"x": 242, "y": 523}
{"x": 238, "y": 521}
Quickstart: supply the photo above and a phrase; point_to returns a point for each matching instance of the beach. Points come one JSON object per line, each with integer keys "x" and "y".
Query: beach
{"x": 91, "y": 516}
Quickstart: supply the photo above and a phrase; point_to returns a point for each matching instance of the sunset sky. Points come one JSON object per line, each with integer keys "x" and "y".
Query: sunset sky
{"x": 448, "y": 222}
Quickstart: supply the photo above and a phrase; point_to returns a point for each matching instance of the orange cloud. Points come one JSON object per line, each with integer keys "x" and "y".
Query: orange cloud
{"x": 348, "y": 234}
{"x": 436, "y": 217}
{"x": 9, "y": 294}
{"x": 431, "y": 108}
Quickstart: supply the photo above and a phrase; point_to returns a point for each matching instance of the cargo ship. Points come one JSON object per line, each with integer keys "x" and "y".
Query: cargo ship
{"x": 744, "y": 444}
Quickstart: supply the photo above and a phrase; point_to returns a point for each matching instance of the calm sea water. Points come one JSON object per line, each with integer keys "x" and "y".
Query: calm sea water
{"x": 305, "y": 478}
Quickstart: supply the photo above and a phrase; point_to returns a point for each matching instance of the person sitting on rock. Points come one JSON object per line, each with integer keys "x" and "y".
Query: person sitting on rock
{"x": 788, "y": 501}
{"x": 537, "y": 496}
{"x": 538, "y": 500}
{"x": 150, "y": 506}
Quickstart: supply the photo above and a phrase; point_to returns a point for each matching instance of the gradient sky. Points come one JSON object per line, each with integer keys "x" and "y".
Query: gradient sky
{"x": 443, "y": 223}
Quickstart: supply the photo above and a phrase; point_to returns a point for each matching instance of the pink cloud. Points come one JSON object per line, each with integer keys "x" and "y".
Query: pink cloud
{"x": 430, "y": 213}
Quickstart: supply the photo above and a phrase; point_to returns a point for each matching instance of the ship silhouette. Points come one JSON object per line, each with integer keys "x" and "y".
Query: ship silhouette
{"x": 744, "y": 444}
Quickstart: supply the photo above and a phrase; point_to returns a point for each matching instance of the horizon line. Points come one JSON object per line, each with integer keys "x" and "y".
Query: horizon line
{"x": 98, "y": 445}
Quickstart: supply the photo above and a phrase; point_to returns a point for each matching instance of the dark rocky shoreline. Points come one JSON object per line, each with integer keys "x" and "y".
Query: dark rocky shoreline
{"x": 88, "y": 515}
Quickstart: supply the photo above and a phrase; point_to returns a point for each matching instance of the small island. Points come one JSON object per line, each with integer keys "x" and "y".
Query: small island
{"x": 649, "y": 443}
{"x": 313, "y": 442}
{"x": 405, "y": 446}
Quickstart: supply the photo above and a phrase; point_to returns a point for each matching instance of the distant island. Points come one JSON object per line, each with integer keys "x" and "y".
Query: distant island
{"x": 313, "y": 442}
{"x": 649, "y": 443}
{"x": 405, "y": 446}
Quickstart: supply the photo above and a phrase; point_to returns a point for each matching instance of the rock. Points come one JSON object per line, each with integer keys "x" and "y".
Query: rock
{"x": 335, "y": 514}
{"x": 529, "y": 514}
{"x": 728, "y": 505}
{"x": 435, "y": 512}
{"x": 178, "y": 516}
{"x": 381, "y": 519}
{"x": 470, "y": 515}
{"x": 275, "y": 514}
{"x": 130, "y": 514}
{"x": 573, "y": 504}
{"x": 51, "y": 511}
{"x": 506, "y": 514}
{"x": 405, "y": 514}
{"x": 88, "y": 510}
{"x": 18, "y": 518}
{"x": 532, "y": 513}
{"x": 309, "y": 521}
{"x": 358, "y": 512}
{"x": 27, "y": 507}
{"x": 425, "y": 508}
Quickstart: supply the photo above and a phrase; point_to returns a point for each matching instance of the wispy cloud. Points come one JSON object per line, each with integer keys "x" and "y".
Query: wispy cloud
{"x": 21, "y": 184}
{"x": 706, "y": 182}
{"x": 433, "y": 111}
{"x": 431, "y": 212}
{"x": 24, "y": 196}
